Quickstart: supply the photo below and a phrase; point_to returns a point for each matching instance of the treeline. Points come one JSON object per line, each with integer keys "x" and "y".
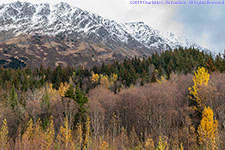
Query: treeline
{"x": 130, "y": 72}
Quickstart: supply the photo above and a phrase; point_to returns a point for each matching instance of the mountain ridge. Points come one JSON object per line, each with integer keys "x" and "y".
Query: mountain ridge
{"x": 66, "y": 22}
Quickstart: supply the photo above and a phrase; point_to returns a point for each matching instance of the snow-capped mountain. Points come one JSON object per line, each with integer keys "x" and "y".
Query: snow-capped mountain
{"x": 64, "y": 21}
{"x": 154, "y": 39}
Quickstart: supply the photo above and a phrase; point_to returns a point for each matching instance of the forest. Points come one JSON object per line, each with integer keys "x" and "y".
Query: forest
{"x": 174, "y": 100}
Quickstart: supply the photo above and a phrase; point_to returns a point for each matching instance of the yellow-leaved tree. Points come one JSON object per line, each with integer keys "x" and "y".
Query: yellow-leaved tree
{"x": 79, "y": 136}
{"x": 63, "y": 88}
{"x": 38, "y": 136}
{"x": 163, "y": 144}
{"x": 104, "y": 80}
{"x": 49, "y": 135}
{"x": 4, "y": 136}
{"x": 64, "y": 137}
{"x": 200, "y": 79}
{"x": 95, "y": 78}
{"x": 149, "y": 144}
{"x": 51, "y": 90}
{"x": 87, "y": 139}
{"x": 207, "y": 130}
{"x": 28, "y": 135}
{"x": 52, "y": 93}
{"x": 113, "y": 78}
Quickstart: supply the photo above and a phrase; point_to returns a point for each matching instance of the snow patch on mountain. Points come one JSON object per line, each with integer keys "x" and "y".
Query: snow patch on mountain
{"x": 63, "y": 19}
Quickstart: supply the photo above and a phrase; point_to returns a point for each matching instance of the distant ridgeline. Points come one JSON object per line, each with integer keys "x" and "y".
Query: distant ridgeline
{"x": 60, "y": 34}
{"x": 130, "y": 72}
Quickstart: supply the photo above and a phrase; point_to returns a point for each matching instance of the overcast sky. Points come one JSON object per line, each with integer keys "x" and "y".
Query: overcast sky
{"x": 204, "y": 25}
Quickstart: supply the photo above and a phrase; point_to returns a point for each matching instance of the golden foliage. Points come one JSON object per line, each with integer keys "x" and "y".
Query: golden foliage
{"x": 114, "y": 78}
{"x": 38, "y": 135}
{"x": 161, "y": 80}
{"x": 34, "y": 136}
{"x": 181, "y": 147}
{"x": 95, "y": 78}
{"x": 63, "y": 88}
{"x": 79, "y": 136}
{"x": 4, "y": 135}
{"x": 163, "y": 144}
{"x": 87, "y": 139}
{"x": 51, "y": 90}
{"x": 207, "y": 129}
{"x": 103, "y": 146}
{"x": 149, "y": 144}
{"x": 201, "y": 78}
{"x": 53, "y": 93}
{"x": 105, "y": 80}
{"x": 49, "y": 135}
{"x": 27, "y": 137}
{"x": 65, "y": 136}
{"x": 177, "y": 146}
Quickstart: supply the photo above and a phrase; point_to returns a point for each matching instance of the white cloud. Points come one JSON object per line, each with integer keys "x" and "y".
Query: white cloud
{"x": 203, "y": 40}
{"x": 157, "y": 16}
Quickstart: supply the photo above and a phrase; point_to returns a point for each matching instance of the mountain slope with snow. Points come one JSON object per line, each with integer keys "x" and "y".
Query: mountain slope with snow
{"x": 67, "y": 22}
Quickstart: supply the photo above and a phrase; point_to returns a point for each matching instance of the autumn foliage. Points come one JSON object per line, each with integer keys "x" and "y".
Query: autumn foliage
{"x": 200, "y": 79}
{"x": 155, "y": 116}
{"x": 166, "y": 102}
{"x": 208, "y": 130}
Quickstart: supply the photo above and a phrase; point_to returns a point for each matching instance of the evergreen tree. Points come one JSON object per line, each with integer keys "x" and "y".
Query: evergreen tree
{"x": 45, "y": 102}
{"x": 79, "y": 97}
{"x": 70, "y": 93}
{"x": 13, "y": 98}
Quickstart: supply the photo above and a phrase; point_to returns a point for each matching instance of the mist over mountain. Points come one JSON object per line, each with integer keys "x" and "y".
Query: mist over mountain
{"x": 34, "y": 34}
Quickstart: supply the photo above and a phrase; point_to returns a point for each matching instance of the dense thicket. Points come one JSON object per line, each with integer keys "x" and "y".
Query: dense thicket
{"x": 107, "y": 108}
